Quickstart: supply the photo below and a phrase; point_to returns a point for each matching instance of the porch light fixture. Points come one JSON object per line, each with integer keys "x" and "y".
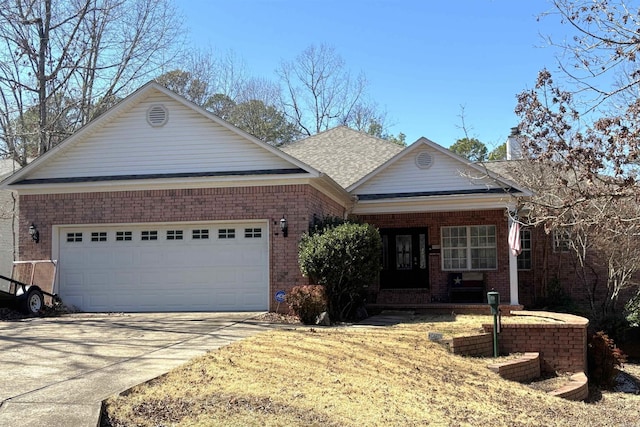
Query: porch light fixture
{"x": 284, "y": 226}
{"x": 34, "y": 233}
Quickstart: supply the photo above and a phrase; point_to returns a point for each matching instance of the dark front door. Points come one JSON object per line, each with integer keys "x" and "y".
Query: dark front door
{"x": 405, "y": 258}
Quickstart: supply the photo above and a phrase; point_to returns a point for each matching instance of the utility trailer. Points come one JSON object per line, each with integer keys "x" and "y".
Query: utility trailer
{"x": 30, "y": 286}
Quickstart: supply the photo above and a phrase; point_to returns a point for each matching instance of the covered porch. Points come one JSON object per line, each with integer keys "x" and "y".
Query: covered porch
{"x": 444, "y": 261}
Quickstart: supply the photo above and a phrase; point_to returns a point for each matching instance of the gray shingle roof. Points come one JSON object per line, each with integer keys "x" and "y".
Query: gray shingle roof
{"x": 344, "y": 154}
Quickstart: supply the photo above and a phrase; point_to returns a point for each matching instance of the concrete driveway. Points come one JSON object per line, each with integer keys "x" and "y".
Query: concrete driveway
{"x": 57, "y": 371}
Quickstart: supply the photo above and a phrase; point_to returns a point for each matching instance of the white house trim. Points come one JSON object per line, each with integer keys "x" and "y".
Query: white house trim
{"x": 431, "y": 204}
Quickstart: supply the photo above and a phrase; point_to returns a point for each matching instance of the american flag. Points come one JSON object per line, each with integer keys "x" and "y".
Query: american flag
{"x": 514, "y": 239}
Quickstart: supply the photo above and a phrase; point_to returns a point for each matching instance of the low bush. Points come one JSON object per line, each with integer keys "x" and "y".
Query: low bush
{"x": 604, "y": 359}
{"x": 307, "y": 302}
{"x": 345, "y": 259}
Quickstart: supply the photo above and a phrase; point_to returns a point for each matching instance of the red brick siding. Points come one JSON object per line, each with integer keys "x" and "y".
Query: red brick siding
{"x": 551, "y": 268}
{"x": 438, "y": 291}
{"x": 297, "y": 203}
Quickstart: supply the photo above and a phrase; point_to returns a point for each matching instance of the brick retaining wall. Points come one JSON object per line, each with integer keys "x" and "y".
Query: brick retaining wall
{"x": 472, "y": 345}
{"x": 525, "y": 368}
{"x": 562, "y": 346}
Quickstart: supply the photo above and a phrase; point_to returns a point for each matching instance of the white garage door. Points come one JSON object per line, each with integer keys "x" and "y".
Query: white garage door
{"x": 160, "y": 267}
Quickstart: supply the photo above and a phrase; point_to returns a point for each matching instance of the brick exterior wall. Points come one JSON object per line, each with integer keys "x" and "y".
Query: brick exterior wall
{"x": 554, "y": 271}
{"x": 298, "y": 203}
{"x": 438, "y": 280}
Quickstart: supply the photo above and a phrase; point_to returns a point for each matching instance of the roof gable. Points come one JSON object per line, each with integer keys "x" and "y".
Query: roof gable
{"x": 346, "y": 155}
{"x": 425, "y": 168}
{"x": 123, "y": 144}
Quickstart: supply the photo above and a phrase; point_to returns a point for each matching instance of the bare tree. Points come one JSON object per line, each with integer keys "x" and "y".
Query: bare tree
{"x": 319, "y": 92}
{"x": 70, "y": 60}
{"x": 604, "y": 46}
{"x": 584, "y": 176}
{"x": 222, "y": 86}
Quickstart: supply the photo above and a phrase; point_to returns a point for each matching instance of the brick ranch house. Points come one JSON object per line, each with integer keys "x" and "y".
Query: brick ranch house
{"x": 158, "y": 205}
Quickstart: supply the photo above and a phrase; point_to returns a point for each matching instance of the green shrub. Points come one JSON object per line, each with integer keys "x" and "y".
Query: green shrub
{"x": 345, "y": 259}
{"x": 632, "y": 310}
{"x": 307, "y": 302}
{"x": 604, "y": 357}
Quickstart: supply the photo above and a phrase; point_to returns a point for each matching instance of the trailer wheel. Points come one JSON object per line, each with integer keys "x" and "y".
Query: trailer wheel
{"x": 33, "y": 301}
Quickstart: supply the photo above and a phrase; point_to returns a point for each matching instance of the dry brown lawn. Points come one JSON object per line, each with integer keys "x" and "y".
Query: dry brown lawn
{"x": 355, "y": 376}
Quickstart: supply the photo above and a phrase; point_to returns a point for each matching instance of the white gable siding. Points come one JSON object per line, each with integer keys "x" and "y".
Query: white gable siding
{"x": 188, "y": 142}
{"x": 404, "y": 176}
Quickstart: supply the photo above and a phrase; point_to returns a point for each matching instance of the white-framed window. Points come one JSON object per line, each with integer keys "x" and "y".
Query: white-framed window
{"x": 227, "y": 233}
{"x": 200, "y": 234}
{"x": 524, "y": 259}
{"x": 561, "y": 240}
{"x": 99, "y": 236}
{"x": 124, "y": 236}
{"x": 149, "y": 235}
{"x": 470, "y": 247}
{"x": 74, "y": 237}
{"x": 252, "y": 233}
{"x": 174, "y": 234}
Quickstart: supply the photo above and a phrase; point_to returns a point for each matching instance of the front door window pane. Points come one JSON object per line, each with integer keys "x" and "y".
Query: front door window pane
{"x": 403, "y": 252}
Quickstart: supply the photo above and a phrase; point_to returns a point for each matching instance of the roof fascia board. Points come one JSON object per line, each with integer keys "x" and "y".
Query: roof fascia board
{"x": 333, "y": 190}
{"x": 162, "y": 184}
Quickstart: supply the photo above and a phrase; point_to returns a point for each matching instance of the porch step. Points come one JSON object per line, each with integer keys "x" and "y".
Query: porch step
{"x": 443, "y": 308}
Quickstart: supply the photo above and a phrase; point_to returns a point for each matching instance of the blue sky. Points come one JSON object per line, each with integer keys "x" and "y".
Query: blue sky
{"x": 423, "y": 59}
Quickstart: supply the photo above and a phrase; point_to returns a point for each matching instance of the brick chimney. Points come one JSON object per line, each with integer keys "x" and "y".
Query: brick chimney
{"x": 514, "y": 145}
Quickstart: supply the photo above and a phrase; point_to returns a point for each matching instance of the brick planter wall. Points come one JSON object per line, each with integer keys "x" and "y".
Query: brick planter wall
{"x": 562, "y": 346}
{"x": 525, "y": 368}
{"x": 576, "y": 389}
{"x": 471, "y": 345}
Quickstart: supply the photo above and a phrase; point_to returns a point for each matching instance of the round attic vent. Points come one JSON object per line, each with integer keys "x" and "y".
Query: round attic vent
{"x": 424, "y": 160}
{"x": 157, "y": 115}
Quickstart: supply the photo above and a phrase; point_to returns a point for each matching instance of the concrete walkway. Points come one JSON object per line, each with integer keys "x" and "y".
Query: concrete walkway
{"x": 57, "y": 371}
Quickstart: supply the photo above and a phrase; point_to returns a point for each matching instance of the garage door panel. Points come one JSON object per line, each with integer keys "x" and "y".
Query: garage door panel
{"x": 251, "y": 299}
{"x": 102, "y": 302}
{"x": 124, "y": 257}
{"x": 202, "y": 274}
{"x": 98, "y": 280}
{"x": 152, "y": 257}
